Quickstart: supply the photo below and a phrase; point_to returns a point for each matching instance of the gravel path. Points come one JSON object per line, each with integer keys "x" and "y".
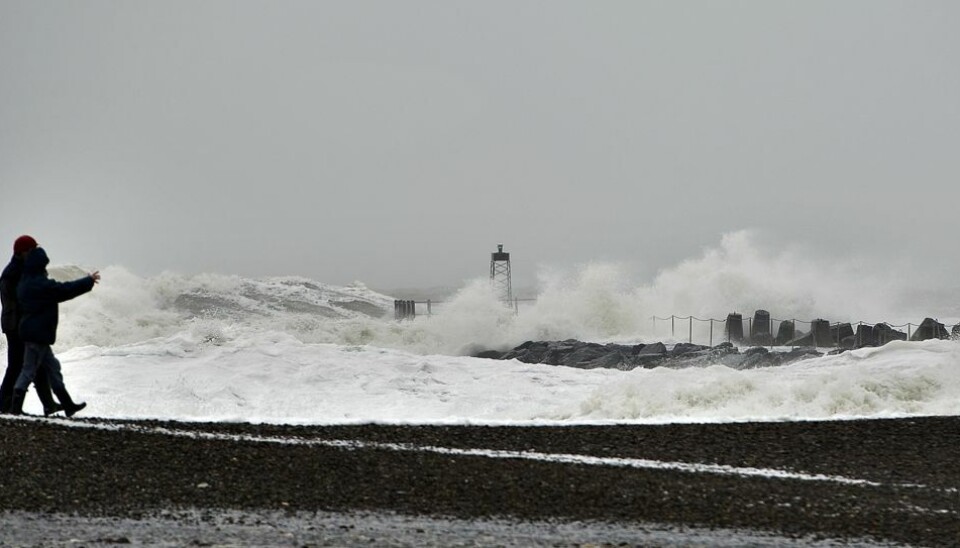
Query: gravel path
{"x": 867, "y": 481}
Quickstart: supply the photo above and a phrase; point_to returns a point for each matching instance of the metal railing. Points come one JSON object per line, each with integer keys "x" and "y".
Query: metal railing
{"x": 690, "y": 319}
{"x": 407, "y": 309}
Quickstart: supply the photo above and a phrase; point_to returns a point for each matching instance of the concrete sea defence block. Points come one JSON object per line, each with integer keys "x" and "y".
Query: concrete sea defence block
{"x": 734, "y": 327}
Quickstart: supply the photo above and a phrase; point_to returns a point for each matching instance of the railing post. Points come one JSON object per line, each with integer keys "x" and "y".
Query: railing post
{"x": 673, "y": 330}
{"x": 711, "y": 332}
{"x": 690, "y": 335}
{"x": 773, "y": 339}
{"x": 908, "y": 331}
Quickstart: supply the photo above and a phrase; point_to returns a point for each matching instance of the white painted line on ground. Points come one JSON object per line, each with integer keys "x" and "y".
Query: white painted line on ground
{"x": 562, "y": 458}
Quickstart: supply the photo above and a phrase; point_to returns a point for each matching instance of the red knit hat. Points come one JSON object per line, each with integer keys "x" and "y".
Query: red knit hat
{"x": 23, "y": 244}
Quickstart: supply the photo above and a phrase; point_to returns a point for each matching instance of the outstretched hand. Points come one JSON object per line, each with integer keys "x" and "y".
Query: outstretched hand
{"x": 95, "y": 276}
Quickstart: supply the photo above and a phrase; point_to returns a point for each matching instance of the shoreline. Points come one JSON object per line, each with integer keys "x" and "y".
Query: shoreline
{"x": 883, "y": 480}
{"x": 204, "y": 527}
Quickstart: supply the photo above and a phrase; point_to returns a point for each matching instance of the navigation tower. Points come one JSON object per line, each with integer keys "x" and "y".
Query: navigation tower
{"x": 500, "y": 275}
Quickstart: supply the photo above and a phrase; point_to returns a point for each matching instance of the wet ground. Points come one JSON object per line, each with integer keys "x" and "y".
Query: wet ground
{"x": 97, "y": 482}
{"x": 220, "y": 528}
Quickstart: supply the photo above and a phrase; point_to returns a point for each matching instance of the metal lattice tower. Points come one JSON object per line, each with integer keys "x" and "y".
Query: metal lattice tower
{"x": 500, "y": 275}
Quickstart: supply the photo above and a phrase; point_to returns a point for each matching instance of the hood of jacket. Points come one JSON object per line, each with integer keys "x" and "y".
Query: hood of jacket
{"x": 13, "y": 269}
{"x": 36, "y": 262}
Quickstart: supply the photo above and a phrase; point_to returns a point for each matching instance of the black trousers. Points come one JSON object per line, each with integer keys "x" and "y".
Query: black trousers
{"x": 14, "y": 365}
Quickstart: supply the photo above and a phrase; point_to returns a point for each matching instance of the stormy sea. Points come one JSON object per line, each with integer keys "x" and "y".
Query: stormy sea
{"x": 231, "y": 410}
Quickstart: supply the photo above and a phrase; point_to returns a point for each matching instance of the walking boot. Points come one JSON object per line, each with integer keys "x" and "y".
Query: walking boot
{"x": 16, "y": 405}
{"x": 42, "y": 385}
{"x": 54, "y": 407}
{"x": 69, "y": 407}
{"x": 72, "y": 408}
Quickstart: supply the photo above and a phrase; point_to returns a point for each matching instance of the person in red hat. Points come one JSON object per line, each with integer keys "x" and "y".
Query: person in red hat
{"x": 10, "y": 320}
{"x": 39, "y": 298}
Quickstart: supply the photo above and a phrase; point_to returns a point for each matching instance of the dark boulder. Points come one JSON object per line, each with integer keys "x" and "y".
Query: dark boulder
{"x": 800, "y": 353}
{"x": 585, "y": 355}
{"x": 649, "y": 356}
{"x": 657, "y": 348}
{"x": 591, "y": 356}
{"x": 576, "y": 354}
{"x": 686, "y": 348}
{"x": 557, "y": 350}
{"x": 528, "y": 352}
{"x": 757, "y": 356}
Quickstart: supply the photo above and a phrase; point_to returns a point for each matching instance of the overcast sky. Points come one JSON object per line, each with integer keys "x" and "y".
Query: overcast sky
{"x": 397, "y": 142}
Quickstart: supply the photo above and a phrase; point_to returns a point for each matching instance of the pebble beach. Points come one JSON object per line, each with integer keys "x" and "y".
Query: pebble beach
{"x": 858, "y": 482}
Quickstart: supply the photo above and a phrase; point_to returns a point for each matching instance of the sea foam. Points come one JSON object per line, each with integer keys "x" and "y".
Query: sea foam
{"x": 600, "y": 302}
{"x": 291, "y": 349}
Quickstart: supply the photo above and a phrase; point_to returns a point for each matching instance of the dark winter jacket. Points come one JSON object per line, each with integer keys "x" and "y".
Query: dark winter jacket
{"x": 40, "y": 296}
{"x": 10, "y": 318}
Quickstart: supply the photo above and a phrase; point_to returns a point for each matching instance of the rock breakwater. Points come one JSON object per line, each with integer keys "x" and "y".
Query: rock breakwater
{"x": 587, "y": 355}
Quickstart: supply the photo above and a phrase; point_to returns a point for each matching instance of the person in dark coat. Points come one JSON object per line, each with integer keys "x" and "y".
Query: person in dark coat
{"x": 39, "y": 298}
{"x": 10, "y": 320}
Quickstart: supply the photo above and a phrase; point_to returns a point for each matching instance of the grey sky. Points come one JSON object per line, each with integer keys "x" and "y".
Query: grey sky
{"x": 397, "y": 142}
